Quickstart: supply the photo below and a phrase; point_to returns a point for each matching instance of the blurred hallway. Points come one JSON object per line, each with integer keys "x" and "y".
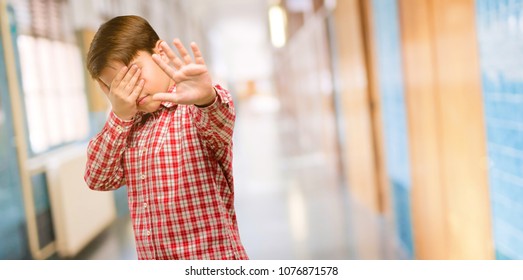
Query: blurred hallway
{"x": 297, "y": 197}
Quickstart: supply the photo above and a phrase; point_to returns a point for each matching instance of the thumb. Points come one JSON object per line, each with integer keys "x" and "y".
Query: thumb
{"x": 166, "y": 97}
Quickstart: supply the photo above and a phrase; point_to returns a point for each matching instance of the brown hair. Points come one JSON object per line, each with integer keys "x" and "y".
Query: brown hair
{"x": 119, "y": 39}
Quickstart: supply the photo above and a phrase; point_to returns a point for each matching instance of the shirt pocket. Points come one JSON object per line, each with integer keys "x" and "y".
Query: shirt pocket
{"x": 160, "y": 137}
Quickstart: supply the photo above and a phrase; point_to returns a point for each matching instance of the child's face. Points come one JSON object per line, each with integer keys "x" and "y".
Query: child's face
{"x": 156, "y": 81}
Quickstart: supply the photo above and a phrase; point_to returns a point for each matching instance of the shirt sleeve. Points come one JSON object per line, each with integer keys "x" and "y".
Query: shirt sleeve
{"x": 104, "y": 170}
{"x": 215, "y": 122}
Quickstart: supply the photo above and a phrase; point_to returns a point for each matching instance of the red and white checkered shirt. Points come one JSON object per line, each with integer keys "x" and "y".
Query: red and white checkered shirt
{"x": 177, "y": 165}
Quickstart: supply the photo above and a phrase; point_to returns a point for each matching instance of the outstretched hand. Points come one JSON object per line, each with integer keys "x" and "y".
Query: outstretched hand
{"x": 193, "y": 82}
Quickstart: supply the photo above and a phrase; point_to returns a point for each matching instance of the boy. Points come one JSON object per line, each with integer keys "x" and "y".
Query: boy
{"x": 169, "y": 139}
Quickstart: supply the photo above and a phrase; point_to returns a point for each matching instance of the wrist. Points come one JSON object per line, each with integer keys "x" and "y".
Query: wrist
{"x": 123, "y": 117}
{"x": 208, "y": 100}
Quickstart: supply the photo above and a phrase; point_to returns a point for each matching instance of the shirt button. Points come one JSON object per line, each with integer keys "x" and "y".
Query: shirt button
{"x": 119, "y": 128}
{"x": 148, "y": 233}
{"x": 145, "y": 205}
{"x": 142, "y": 176}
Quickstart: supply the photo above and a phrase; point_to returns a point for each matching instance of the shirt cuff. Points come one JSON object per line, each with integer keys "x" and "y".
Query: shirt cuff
{"x": 221, "y": 97}
{"x": 118, "y": 126}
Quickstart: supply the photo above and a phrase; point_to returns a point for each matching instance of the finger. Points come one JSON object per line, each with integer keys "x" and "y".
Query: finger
{"x": 190, "y": 70}
{"x": 103, "y": 86}
{"x": 197, "y": 54}
{"x": 183, "y": 52}
{"x": 129, "y": 76}
{"x": 166, "y": 97}
{"x": 171, "y": 55}
{"x": 137, "y": 90}
{"x": 164, "y": 66}
{"x": 133, "y": 80}
{"x": 118, "y": 78}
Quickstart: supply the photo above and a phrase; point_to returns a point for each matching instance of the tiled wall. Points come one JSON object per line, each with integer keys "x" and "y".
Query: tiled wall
{"x": 13, "y": 232}
{"x": 500, "y": 37}
{"x": 386, "y": 23}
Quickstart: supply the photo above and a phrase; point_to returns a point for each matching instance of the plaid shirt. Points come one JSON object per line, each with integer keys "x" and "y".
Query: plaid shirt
{"x": 177, "y": 165}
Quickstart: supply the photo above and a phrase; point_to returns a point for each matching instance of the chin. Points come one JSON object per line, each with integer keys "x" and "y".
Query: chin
{"x": 149, "y": 108}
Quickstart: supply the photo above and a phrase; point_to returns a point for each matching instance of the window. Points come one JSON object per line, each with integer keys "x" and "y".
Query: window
{"x": 52, "y": 75}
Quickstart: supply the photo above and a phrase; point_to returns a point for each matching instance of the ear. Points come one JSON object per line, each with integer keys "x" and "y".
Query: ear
{"x": 159, "y": 50}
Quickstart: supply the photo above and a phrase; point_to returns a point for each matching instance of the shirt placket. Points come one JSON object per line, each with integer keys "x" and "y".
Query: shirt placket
{"x": 146, "y": 183}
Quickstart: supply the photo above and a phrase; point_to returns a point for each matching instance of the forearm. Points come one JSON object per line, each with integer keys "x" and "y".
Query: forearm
{"x": 103, "y": 170}
{"x": 215, "y": 122}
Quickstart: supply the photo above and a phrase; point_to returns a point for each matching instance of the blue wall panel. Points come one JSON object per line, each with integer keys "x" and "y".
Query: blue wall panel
{"x": 500, "y": 38}
{"x": 386, "y": 24}
{"x": 13, "y": 232}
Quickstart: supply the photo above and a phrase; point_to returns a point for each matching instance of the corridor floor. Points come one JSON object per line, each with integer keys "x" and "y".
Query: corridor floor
{"x": 290, "y": 204}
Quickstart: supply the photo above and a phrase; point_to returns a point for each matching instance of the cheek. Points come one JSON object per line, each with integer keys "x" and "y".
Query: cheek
{"x": 155, "y": 79}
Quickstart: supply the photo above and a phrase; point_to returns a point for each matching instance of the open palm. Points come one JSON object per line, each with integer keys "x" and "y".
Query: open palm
{"x": 193, "y": 82}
